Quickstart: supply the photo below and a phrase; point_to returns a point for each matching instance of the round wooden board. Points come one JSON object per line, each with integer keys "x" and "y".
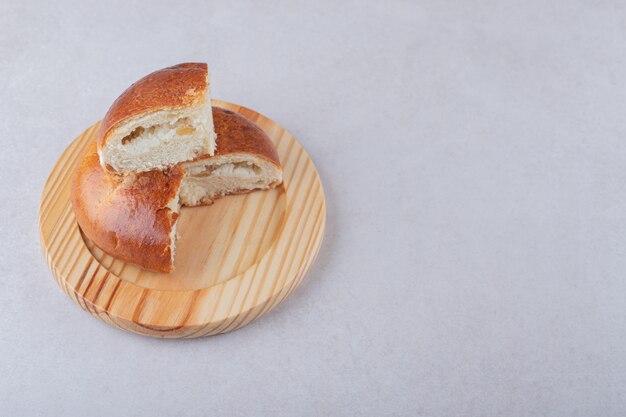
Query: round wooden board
{"x": 235, "y": 260}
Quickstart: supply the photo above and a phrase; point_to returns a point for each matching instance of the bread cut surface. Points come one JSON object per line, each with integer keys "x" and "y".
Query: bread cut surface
{"x": 133, "y": 217}
{"x": 161, "y": 120}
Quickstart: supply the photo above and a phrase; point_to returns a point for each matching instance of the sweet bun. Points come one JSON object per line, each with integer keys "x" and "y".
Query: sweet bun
{"x": 245, "y": 160}
{"x": 161, "y": 120}
{"x": 133, "y": 217}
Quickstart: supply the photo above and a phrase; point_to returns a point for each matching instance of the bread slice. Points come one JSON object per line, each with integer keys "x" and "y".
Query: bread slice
{"x": 161, "y": 120}
{"x": 245, "y": 160}
{"x": 133, "y": 217}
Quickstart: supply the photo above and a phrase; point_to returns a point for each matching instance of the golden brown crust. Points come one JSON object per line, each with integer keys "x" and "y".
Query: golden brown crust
{"x": 237, "y": 134}
{"x": 180, "y": 86}
{"x": 127, "y": 217}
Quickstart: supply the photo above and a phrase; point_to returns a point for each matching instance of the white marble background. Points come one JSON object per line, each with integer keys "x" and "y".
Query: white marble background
{"x": 474, "y": 159}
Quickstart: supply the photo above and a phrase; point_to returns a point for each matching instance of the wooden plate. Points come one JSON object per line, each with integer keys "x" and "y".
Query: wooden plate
{"x": 235, "y": 260}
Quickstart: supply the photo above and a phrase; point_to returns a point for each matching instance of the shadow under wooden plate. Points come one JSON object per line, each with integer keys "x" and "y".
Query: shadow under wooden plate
{"x": 235, "y": 260}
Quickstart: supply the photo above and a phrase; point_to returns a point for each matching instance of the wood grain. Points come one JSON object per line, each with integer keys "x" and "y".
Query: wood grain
{"x": 235, "y": 260}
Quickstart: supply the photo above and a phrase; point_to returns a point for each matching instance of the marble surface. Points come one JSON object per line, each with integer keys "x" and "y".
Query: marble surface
{"x": 474, "y": 160}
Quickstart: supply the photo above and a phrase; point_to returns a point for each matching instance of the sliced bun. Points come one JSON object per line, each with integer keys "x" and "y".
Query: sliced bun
{"x": 161, "y": 120}
{"x": 245, "y": 160}
{"x": 134, "y": 217}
